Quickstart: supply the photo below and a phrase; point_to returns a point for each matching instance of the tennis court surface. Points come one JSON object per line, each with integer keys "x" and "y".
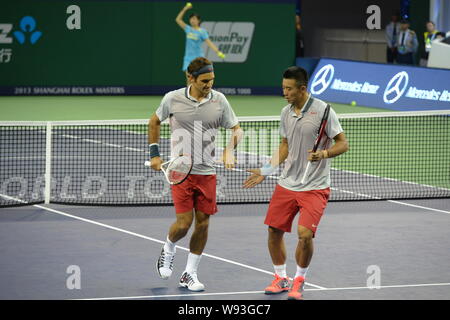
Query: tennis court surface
{"x": 57, "y": 175}
{"x": 116, "y": 248}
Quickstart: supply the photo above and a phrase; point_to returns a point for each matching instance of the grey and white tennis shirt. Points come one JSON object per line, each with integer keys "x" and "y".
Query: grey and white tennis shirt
{"x": 301, "y": 132}
{"x": 194, "y": 125}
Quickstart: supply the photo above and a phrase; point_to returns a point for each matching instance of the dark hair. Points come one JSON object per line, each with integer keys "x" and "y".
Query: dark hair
{"x": 404, "y": 21}
{"x": 197, "y": 64}
{"x": 298, "y": 74}
{"x": 196, "y": 15}
{"x": 431, "y": 23}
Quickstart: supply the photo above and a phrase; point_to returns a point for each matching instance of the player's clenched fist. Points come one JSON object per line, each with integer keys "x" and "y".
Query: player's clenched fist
{"x": 155, "y": 163}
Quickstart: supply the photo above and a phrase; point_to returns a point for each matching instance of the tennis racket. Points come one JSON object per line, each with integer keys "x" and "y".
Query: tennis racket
{"x": 176, "y": 170}
{"x": 322, "y": 127}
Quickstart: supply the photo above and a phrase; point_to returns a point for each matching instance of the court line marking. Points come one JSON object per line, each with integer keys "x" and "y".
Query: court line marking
{"x": 175, "y": 295}
{"x": 159, "y": 241}
{"x": 389, "y": 179}
{"x": 339, "y": 190}
{"x": 392, "y": 201}
{"x": 384, "y": 287}
{"x": 417, "y": 206}
{"x": 261, "y": 292}
{"x": 219, "y": 258}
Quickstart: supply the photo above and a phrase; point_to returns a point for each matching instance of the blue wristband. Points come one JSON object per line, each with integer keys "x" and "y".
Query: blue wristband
{"x": 154, "y": 150}
{"x": 267, "y": 169}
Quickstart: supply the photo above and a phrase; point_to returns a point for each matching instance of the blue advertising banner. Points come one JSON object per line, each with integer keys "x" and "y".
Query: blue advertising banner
{"x": 394, "y": 87}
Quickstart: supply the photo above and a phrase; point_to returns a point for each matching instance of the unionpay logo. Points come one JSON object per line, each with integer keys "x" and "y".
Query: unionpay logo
{"x": 396, "y": 87}
{"x": 232, "y": 38}
{"x": 322, "y": 79}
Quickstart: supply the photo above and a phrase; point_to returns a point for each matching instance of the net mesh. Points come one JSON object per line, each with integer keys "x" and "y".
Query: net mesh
{"x": 391, "y": 156}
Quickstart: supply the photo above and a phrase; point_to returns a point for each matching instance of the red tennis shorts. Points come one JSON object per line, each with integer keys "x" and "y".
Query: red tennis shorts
{"x": 286, "y": 203}
{"x": 197, "y": 191}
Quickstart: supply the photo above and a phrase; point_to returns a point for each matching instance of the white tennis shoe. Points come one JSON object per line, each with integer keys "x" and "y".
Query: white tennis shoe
{"x": 190, "y": 281}
{"x": 164, "y": 265}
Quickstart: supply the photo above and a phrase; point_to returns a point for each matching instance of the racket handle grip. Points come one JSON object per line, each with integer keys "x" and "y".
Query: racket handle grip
{"x": 306, "y": 172}
{"x": 147, "y": 164}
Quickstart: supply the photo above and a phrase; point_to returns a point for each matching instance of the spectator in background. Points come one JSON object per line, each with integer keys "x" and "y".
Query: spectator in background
{"x": 428, "y": 37}
{"x": 392, "y": 31}
{"x": 407, "y": 44}
{"x": 299, "y": 44}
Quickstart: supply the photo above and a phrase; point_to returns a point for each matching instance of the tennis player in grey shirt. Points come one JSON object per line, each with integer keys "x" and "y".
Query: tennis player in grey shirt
{"x": 195, "y": 113}
{"x": 299, "y": 125}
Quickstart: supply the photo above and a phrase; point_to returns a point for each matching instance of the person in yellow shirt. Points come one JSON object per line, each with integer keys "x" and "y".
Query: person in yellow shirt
{"x": 428, "y": 37}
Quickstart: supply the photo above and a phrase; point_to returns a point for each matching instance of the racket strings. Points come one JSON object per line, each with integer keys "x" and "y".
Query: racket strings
{"x": 179, "y": 169}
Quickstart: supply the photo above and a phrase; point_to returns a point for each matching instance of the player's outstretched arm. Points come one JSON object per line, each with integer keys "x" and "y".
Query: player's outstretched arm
{"x": 154, "y": 126}
{"x": 179, "y": 18}
{"x": 278, "y": 157}
{"x": 219, "y": 53}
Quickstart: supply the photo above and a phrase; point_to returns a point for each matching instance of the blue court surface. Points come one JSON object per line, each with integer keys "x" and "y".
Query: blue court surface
{"x": 375, "y": 250}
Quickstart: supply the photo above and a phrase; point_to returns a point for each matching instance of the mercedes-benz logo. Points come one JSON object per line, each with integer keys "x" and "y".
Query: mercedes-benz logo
{"x": 322, "y": 79}
{"x": 396, "y": 87}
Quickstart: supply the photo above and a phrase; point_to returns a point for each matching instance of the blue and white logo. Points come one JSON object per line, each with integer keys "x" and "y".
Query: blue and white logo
{"x": 322, "y": 79}
{"x": 27, "y": 25}
{"x": 396, "y": 87}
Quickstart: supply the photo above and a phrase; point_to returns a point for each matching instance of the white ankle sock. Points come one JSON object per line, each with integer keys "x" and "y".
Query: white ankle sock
{"x": 192, "y": 262}
{"x": 301, "y": 272}
{"x": 280, "y": 270}
{"x": 169, "y": 246}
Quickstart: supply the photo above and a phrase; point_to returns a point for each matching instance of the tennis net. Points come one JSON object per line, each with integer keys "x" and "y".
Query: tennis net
{"x": 392, "y": 156}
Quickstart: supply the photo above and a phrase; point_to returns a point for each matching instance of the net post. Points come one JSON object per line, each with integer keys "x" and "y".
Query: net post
{"x": 48, "y": 163}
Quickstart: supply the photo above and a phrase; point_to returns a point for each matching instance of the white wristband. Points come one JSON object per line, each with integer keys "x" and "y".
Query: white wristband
{"x": 267, "y": 169}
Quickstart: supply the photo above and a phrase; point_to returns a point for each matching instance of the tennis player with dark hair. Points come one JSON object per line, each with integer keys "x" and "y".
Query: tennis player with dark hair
{"x": 299, "y": 126}
{"x": 195, "y": 36}
{"x": 195, "y": 114}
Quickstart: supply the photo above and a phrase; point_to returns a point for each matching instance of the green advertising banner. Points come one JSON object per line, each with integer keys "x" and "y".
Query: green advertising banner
{"x": 135, "y": 47}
